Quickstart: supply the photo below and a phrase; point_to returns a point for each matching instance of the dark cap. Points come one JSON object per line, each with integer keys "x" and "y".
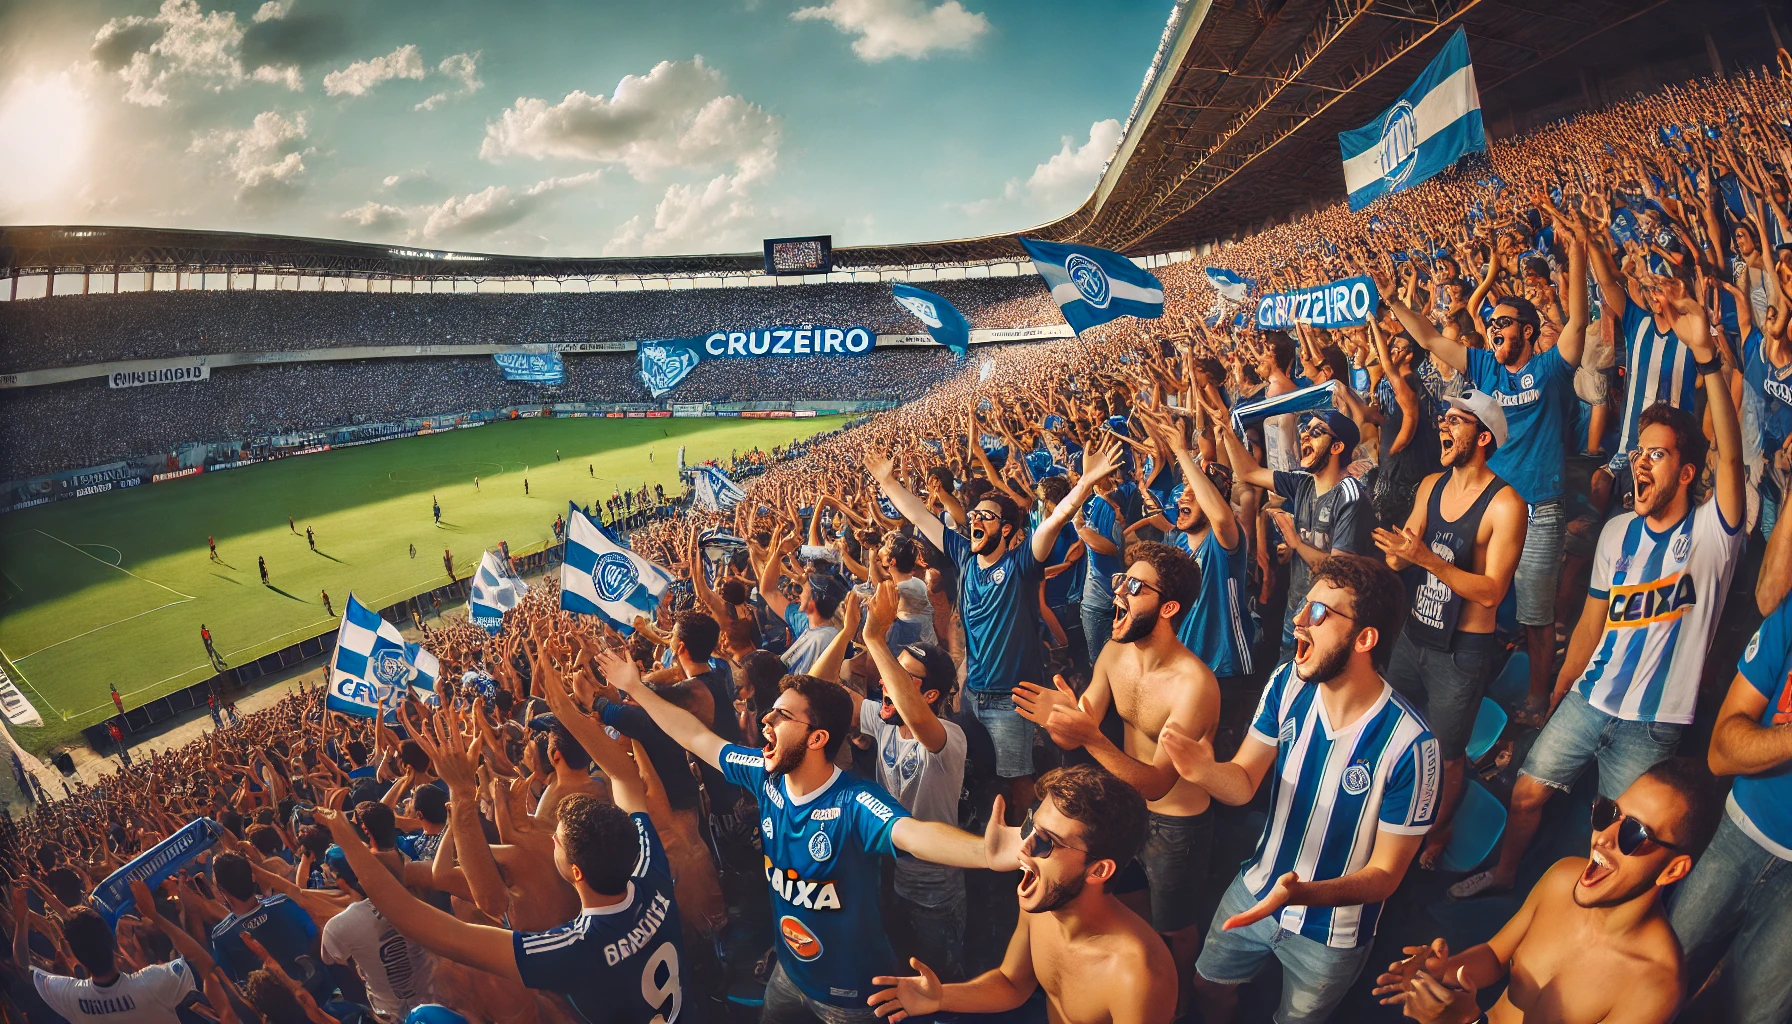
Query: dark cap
{"x": 827, "y": 588}
{"x": 544, "y": 722}
{"x": 939, "y": 671}
{"x": 1342, "y": 427}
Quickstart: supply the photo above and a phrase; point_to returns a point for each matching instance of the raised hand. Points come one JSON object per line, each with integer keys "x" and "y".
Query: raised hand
{"x": 1001, "y": 842}
{"x": 619, "y": 670}
{"x": 897, "y": 999}
{"x": 880, "y": 615}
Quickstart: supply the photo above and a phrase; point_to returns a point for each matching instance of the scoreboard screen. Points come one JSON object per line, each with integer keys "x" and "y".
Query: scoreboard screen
{"x": 813, "y": 254}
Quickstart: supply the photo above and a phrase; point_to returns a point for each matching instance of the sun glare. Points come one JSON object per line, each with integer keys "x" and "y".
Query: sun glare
{"x": 44, "y": 124}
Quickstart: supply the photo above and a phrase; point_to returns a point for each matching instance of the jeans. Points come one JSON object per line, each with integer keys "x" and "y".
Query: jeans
{"x": 1175, "y": 856}
{"x": 1315, "y": 976}
{"x": 786, "y": 1004}
{"x": 938, "y": 935}
{"x": 1444, "y": 685}
{"x": 1579, "y": 732}
{"x": 1011, "y": 734}
{"x": 1540, "y": 565}
{"x": 1740, "y": 896}
{"x": 1098, "y": 627}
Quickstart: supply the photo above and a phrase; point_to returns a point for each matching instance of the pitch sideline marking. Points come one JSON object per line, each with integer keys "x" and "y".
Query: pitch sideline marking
{"x": 108, "y": 547}
{"x": 195, "y": 668}
{"x": 96, "y": 629}
{"x": 109, "y": 565}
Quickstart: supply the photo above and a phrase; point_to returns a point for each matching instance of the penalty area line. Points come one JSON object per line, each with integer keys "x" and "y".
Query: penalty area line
{"x": 109, "y": 565}
{"x": 96, "y": 629}
{"x": 198, "y": 668}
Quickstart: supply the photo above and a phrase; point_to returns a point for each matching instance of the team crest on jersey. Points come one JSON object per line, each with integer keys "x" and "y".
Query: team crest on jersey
{"x": 1622, "y": 564}
{"x": 820, "y": 846}
{"x": 998, "y": 576}
{"x": 1754, "y": 647}
{"x": 1682, "y": 545}
{"x": 1527, "y": 382}
{"x": 765, "y": 825}
{"x": 1356, "y": 780}
{"x": 802, "y": 942}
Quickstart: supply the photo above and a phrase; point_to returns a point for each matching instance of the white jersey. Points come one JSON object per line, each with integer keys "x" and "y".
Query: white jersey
{"x": 927, "y": 784}
{"x": 149, "y": 996}
{"x": 1663, "y": 594}
{"x": 398, "y": 971}
{"x": 1333, "y": 789}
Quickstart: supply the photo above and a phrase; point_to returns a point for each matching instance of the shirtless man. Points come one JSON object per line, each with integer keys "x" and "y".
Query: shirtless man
{"x": 1097, "y": 960}
{"x": 1151, "y": 679}
{"x": 1592, "y": 942}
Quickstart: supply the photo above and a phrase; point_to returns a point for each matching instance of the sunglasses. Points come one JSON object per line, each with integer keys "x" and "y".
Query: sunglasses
{"x": 1131, "y": 585}
{"x": 1632, "y": 834}
{"x": 1654, "y": 455}
{"x": 1039, "y": 843}
{"x": 1500, "y": 323}
{"x": 1314, "y": 428}
{"x": 980, "y": 515}
{"x": 1318, "y": 611}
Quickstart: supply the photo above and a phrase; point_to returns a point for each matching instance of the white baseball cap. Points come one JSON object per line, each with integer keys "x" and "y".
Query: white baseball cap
{"x": 1484, "y": 407}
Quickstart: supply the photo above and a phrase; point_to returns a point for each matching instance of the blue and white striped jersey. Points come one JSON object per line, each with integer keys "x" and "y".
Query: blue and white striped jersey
{"x": 1663, "y": 594}
{"x": 1332, "y": 791}
{"x": 1658, "y": 368}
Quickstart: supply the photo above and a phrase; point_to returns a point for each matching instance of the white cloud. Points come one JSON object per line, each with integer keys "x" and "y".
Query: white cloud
{"x": 1072, "y": 171}
{"x": 713, "y": 217}
{"x": 267, "y": 159}
{"x": 462, "y": 68}
{"x": 361, "y": 76}
{"x": 675, "y": 116}
{"x": 493, "y": 208}
{"x": 900, "y": 28}
{"x": 377, "y": 217}
{"x": 183, "y": 42}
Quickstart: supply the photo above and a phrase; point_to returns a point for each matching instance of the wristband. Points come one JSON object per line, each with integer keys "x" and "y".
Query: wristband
{"x": 1706, "y": 368}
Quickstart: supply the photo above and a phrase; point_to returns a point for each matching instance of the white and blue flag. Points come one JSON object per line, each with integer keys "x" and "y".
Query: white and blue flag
{"x": 494, "y": 591}
{"x": 1308, "y": 399}
{"x": 374, "y": 667}
{"x": 1431, "y": 125}
{"x": 714, "y": 490}
{"x": 1230, "y": 285}
{"x": 1093, "y": 286}
{"x": 947, "y": 325}
{"x": 603, "y": 578}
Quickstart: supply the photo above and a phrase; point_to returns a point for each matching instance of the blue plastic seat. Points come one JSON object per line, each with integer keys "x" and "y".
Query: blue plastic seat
{"x": 1490, "y": 721}
{"x": 1480, "y": 821}
{"x": 1512, "y": 687}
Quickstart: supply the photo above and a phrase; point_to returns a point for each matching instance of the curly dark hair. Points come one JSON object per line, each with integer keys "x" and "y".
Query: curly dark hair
{"x": 831, "y": 708}
{"x": 1380, "y": 598}
{"x": 1178, "y": 577}
{"x": 1689, "y": 437}
{"x": 1112, "y": 814}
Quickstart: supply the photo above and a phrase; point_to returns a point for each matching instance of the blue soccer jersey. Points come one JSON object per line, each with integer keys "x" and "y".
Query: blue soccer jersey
{"x": 618, "y": 964}
{"x": 1000, "y": 606}
{"x": 279, "y": 924}
{"x": 1218, "y": 628}
{"x": 1535, "y": 399}
{"x": 823, "y": 859}
{"x": 1333, "y": 789}
{"x": 1761, "y": 805}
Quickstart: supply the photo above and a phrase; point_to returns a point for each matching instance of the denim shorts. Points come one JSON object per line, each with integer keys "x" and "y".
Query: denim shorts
{"x": 1579, "y": 732}
{"x": 1175, "y": 857}
{"x": 1735, "y": 900}
{"x": 1011, "y": 734}
{"x": 1444, "y": 685}
{"x": 1540, "y": 566}
{"x": 1315, "y": 976}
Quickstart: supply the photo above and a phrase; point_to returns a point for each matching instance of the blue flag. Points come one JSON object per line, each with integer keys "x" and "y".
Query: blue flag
{"x": 112, "y": 897}
{"x": 494, "y": 592}
{"x": 947, "y": 325}
{"x": 534, "y": 367}
{"x": 1435, "y": 121}
{"x": 373, "y": 667}
{"x": 601, "y": 577}
{"x": 1093, "y": 286}
{"x": 664, "y": 363}
{"x": 714, "y": 490}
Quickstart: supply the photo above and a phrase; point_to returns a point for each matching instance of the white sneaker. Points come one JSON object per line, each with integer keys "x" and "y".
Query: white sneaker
{"x": 1479, "y": 884}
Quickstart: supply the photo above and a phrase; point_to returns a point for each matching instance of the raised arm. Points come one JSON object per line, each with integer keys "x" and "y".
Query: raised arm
{"x": 1452, "y": 352}
{"x": 1572, "y": 341}
{"x": 626, "y": 789}
{"x": 1097, "y": 464}
{"x": 1695, "y": 332}
{"x": 675, "y": 722}
{"x": 1233, "y": 782}
{"x": 1245, "y": 466}
{"x": 899, "y": 686}
{"x": 913, "y": 509}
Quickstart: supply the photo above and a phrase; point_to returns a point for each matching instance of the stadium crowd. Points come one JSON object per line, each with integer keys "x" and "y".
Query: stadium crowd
{"x": 55, "y": 427}
{"x": 75, "y": 330}
{"x": 1015, "y": 651}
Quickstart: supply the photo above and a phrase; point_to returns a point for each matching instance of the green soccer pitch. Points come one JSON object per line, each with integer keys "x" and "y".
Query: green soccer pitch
{"x": 114, "y": 588}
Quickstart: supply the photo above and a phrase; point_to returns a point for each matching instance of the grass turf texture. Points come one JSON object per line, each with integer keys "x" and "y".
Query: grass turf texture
{"x": 114, "y": 588}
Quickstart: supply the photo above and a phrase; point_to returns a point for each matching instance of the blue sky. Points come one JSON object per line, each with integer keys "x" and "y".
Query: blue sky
{"x": 566, "y": 128}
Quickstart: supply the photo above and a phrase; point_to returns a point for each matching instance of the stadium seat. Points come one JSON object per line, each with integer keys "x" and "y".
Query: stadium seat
{"x": 1513, "y": 684}
{"x": 1480, "y": 820}
{"x": 1490, "y": 721}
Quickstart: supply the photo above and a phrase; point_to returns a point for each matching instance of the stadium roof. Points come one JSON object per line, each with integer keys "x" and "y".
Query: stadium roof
{"x": 1237, "y": 120}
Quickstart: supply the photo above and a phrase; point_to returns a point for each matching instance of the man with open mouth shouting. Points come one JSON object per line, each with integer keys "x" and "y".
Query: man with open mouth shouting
{"x": 1355, "y": 790}
{"x": 1596, "y": 917}
{"x": 1096, "y": 960}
